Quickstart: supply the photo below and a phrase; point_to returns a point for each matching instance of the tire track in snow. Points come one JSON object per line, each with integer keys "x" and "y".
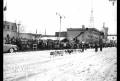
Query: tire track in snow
{"x": 61, "y": 65}
{"x": 96, "y": 76}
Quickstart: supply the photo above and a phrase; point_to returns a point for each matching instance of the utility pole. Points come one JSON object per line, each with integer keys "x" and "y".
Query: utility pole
{"x": 60, "y": 24}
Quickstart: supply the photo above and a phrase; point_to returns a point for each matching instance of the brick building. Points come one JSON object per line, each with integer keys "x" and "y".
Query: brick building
{"x": 62, "y": 34}
{"x": 84, "y": 34}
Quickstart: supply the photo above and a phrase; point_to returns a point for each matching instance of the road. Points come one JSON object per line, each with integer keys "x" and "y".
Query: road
{"x": 39, "y": 66}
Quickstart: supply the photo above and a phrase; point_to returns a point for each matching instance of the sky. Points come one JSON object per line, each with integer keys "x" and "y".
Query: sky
{"x": 41, "y": 14}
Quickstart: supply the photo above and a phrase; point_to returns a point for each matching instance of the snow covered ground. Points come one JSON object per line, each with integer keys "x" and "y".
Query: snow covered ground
{"x": 39, "y": 66}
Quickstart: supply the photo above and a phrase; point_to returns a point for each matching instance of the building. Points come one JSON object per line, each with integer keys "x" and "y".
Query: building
{"x": 73, "y": 32}
{"x": 90, "y": 35}
{"x": 62, "y": 34}
{"x": 84, "y": 34}
{"x": 105, "y": 31}
{"x": 9, "y": 29}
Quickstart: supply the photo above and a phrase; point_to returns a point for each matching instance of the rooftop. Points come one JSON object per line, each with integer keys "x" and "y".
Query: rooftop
{"x": 8, "y": 22}
{"x": 81, "y": 29}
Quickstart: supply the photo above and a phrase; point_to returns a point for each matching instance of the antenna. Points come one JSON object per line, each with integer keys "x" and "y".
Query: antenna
{"x": 92, "y": 17}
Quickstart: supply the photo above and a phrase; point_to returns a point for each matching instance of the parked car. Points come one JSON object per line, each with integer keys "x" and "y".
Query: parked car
{"x": 9, "y": 48}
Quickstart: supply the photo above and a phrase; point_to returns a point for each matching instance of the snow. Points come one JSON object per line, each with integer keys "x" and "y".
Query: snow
{"x": 39, "y": 66}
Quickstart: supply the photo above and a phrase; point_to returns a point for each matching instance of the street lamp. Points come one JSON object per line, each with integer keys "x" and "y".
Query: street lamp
{"x": 60, "y": 24}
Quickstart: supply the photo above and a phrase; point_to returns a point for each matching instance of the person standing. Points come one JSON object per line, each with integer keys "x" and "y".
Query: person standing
{"x": 100, "y": 47}
{"x": 96, "y": 47}
{"x": 100, "y": 43}
{"x": 83, "y": 47}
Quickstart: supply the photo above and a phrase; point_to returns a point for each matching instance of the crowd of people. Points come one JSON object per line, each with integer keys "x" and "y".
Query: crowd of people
{"x": 25, "y": 44}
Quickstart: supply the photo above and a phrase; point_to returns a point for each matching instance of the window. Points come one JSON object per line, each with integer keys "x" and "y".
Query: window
{"x": 4, "y": 27}
{"x": 8, "y": 27}
{"x": 12, "y": 27}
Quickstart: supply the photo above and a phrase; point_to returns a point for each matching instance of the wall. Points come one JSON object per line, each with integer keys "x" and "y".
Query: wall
{"x": 72, "y": 33}
{"x": 88, "y": 36}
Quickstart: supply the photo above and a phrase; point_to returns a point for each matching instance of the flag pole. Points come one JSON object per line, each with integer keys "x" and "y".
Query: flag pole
{"x": 5, "y": 9}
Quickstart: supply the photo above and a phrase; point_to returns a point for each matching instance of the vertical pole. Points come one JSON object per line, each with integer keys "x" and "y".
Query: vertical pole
{"x": 4, "y": 10}
{"x": 4, "y": 18}
{"x": 60, "y": 30}
{"x": 18, "y": 30}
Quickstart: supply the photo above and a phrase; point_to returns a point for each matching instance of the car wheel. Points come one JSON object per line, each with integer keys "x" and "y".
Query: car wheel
{"x": 11, "y": 50}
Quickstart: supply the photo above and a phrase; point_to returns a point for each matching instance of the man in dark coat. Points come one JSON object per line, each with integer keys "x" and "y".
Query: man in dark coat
{"x": 96, "y": 47}
{"x": 100, "y": 47}
{"x": 100, "y": 43}
{"x": 83, "y": 47}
